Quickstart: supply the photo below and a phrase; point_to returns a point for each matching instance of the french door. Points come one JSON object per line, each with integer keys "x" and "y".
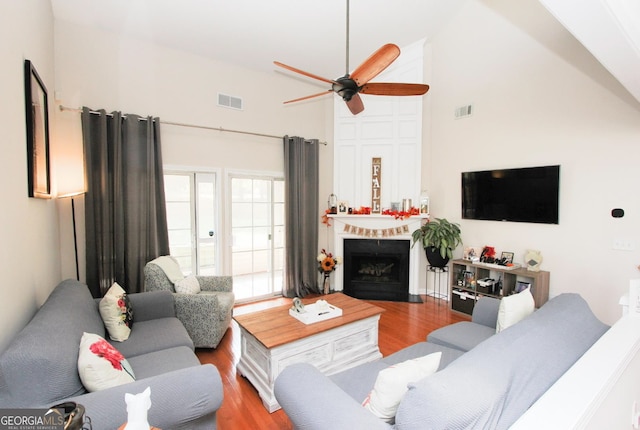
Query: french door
{"x": 257, "y": 231}
{"x": 192, "y": 219}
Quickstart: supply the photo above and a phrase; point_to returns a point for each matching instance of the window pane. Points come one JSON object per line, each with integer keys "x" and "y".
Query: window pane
{"x": 261, "y": 191}
{"x": 261, "y": 261}
{"x": 206, "y": 209}
{"x": 278, "y": 237}
{"x": 242, "y": 214}
{"x": 178, "y": 215}
{"x": 177, "y": 188}
{"x": 261, "y": 214}
{"x": 278, "y": 214}
{"x": 242, "y": 239}
{"x": 278, "y": 191}
{"x": 242, "y": 263}
{"x": 261, "y": 238}
{"x": 241, "y": 190}
{"x": 207, "y": 259}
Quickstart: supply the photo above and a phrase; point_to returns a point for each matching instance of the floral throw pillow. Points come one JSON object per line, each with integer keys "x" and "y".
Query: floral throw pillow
{"x": 101, "y": 365}
{"x": 116, "y": 313}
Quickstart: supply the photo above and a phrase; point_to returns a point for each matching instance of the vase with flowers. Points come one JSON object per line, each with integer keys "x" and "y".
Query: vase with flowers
{"x": 327, "y": 264}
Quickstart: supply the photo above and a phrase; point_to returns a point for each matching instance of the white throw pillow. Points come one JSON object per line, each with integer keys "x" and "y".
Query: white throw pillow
{"x": 101, "y": 365}
{"x": 188, "y": 285}
{"x": 116, "y": 313}
{"x": 391, "y": 384}
{"x": 514, "y": 308}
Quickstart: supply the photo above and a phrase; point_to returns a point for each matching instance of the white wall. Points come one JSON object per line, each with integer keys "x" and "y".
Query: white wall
{"x": 540, "y": 98}
{"x": 99, "y": 70}
{"x": 29, "y": 255}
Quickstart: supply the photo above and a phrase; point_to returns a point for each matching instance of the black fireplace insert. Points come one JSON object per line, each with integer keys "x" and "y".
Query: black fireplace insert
{"x": 377, "y": 269}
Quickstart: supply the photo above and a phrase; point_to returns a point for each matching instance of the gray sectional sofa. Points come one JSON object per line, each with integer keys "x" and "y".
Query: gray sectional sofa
{"x": 485, "y": 380}
{"x": 39, "y": 367}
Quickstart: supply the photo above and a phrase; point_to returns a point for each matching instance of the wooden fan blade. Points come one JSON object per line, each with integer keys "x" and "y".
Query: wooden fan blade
{"x": 355, "y": 105}
{"x": 309, "y": 97}
{"x": 394, "y": 89}
{"x": 302, "y": 72}
{"x": 376, "y": 63}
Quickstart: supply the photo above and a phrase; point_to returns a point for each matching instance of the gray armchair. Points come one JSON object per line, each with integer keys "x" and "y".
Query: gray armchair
{"x": 205, "y": 315}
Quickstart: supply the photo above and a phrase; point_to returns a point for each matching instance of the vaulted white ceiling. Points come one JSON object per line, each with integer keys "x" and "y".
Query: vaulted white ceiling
{"x": 307, "y": 34}
{"x": 311, "y": 34}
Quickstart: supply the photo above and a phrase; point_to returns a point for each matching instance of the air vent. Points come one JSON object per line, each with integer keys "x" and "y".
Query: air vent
{"x": 463, "y": 111}
{"x": 230, "y": 102}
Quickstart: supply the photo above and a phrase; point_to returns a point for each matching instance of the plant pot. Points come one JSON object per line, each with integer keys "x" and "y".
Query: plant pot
{"x": 434, "y": 257}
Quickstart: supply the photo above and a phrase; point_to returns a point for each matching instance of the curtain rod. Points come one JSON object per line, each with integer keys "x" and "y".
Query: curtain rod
{"x": 180, "y": 124}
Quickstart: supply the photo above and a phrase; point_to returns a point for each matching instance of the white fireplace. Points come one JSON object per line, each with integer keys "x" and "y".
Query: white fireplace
{"x": 380, "y": 227}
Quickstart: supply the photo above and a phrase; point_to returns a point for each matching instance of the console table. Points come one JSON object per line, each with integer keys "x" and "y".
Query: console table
{"x": 465, "y": 292}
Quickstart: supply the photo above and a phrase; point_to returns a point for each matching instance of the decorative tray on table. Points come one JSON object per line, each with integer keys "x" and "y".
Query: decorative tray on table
{"x": 313, "y": 313}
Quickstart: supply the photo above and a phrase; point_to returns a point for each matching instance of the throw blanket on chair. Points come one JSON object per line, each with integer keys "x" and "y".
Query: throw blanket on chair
{"x": 170, "y": 267}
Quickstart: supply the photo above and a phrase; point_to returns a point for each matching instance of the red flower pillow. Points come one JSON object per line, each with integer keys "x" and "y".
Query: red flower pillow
{"x": 101, "y": 365}
{"x": 116, "y": 313}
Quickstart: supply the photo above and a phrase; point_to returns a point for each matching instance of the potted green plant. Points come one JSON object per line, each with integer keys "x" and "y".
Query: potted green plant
{"x": 439, "y": 238}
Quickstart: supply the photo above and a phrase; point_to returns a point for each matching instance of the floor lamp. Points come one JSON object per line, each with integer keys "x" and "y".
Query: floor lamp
{"x": 75, "y": 234}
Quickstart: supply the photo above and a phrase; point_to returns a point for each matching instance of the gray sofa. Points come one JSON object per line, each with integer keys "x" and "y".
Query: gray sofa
{"x": 487, "y": 387}
{"x": 39, "y": 367}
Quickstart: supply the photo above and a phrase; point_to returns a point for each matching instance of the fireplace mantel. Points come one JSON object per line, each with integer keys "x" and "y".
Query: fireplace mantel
{"x": 378, "y": 226}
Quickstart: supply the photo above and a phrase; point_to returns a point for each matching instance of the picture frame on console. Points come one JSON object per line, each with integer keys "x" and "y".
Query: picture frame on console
{"x": 506, "y": 258}
{"x": 343, "y": 207}
{"x": 37, "y": 122}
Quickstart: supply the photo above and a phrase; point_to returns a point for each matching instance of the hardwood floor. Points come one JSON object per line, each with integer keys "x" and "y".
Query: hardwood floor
{"x": 402, "y": 324}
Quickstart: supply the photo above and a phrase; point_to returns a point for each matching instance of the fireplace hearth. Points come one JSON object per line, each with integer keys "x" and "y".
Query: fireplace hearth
{"x": 377, "y": 269}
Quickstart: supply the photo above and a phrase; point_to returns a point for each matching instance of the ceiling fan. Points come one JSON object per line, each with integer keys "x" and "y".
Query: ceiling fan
{"x": 350, "y": 86}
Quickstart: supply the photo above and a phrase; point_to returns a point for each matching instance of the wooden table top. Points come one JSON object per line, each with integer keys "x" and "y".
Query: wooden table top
{"x": 274, "y": 327}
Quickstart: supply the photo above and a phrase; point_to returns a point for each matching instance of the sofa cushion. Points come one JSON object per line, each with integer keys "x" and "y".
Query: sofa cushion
{"x": 358, "y": 381}
{"x": 514, "y": 308}
{"x": 160, "y": 362}
{"x": 155, "y": 335}
{"x": 49, "y": 343}
{"x": 101, "y": 365}
{"x": 391, "y": 384}
{"x": 116, "y": 312}
{"x": 504, "y": 375}
{"x": 463, "y": 335}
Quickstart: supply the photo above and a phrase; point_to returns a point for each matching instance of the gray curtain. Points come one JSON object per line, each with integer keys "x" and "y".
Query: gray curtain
{"x": 301, "y": 211}
{"x": 125, "y": 211}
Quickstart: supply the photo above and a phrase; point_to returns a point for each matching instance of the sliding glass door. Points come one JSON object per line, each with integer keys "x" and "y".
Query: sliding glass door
{"x": 257, "y": 230}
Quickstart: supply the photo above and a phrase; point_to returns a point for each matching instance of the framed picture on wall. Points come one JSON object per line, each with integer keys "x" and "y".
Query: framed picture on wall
{"x": 37, "y": 120}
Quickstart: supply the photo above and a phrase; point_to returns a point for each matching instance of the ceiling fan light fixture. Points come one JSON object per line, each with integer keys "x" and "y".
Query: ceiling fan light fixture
{"x": 349, "y": 86}
{"x": 345, "y": 87}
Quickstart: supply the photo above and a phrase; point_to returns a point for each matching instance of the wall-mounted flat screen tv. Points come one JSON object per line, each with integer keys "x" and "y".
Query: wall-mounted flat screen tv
{"x": 528, "y": 194}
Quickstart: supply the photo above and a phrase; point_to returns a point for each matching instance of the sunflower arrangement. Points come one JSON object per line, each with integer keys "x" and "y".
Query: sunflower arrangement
{"x": 327, "y": 262}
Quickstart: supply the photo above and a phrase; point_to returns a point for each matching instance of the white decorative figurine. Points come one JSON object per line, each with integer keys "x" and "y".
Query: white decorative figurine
{"x": 533, "y": 259}
{"x": 137, "y": 407}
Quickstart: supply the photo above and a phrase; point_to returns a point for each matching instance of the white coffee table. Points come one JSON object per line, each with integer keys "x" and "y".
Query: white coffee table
{"x": 271, "y": 339}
